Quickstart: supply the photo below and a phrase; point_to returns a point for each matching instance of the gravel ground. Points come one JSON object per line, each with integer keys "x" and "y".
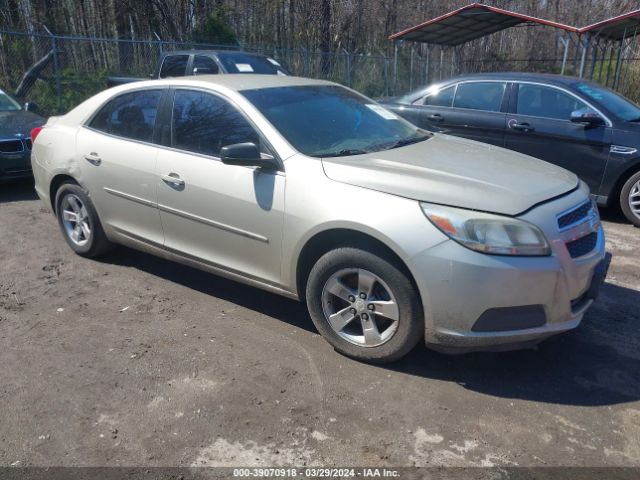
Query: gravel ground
{"x": 133, "y": 360}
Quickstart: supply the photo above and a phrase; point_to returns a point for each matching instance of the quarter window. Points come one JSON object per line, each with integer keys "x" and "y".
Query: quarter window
{"x": 485, "y": 96}
{"x": 442, "y": 98}
{"x": 174, "y": 66}
{"x": 132, "y": 115}
{"x": 204, "y": 123}
{"x": 547, "y": 102}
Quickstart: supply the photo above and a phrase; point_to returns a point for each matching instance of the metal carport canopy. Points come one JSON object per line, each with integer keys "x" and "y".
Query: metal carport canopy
{"x": 616, "y": 28}
{"x": 469, "y": 23}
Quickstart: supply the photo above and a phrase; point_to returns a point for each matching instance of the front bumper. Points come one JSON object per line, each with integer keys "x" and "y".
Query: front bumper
{"x": 15, "y": 166}
{"x": 474, "y": 301}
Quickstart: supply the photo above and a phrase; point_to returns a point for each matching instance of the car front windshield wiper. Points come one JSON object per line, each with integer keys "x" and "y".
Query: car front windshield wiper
{"x": 404, "y": 142}
{"x": 343, "y": 153}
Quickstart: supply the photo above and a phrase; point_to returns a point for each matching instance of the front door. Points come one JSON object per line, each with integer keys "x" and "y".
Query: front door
{"x": 228, "y": 216}
{"x": 117, "y": 158}
{"x": 540, "y": 126}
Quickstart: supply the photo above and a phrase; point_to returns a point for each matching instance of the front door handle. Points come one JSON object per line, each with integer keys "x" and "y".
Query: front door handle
{"x": 523, "y": 127}
{"x": 173, "y": 179}
{"x": 436, "y": 117}
{"x": 93, "y": 158}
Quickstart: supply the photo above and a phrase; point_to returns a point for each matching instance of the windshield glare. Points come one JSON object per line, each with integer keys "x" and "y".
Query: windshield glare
{"x": 614, "y": 102}
{"x": 328, "y": 120}
{"x": 8, "y": 104}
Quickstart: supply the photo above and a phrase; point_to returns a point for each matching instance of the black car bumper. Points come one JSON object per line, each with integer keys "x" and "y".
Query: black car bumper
{"x": 15, "y": 167}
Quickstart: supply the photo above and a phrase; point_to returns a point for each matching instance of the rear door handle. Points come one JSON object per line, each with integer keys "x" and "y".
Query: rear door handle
{"x": 524, "y": 127}
{"x": 93, "y": 158}
{"x": 173, "y": 178}
{"x": 436, "y": 117}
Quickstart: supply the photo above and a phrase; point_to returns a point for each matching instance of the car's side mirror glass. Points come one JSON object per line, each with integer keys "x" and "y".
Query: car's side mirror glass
{"x": 587, "y": 116}
{"x": 247, "y": 155}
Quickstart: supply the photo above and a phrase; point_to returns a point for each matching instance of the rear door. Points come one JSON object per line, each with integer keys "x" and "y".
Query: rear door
{"x": 117, "y": 157}
{"x": 539, "y": 125}
{"x": 474, "y": 110}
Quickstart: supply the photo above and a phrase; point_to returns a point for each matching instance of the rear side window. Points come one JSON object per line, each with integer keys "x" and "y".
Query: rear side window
{"x": 174, "y": 66}
{"x": 442, "y": 98}
{"x": 204, "y": 123}
{"x": 132, "y": 115}
{"x": 204, "y": 65}
{"x": 547, "y": 102}
{"x": 485, "y": 96}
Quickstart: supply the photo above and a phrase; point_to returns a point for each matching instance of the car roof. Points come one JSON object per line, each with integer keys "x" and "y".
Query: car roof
{"x": 211, "y": 52}
{"x": 234, "y": 81}
{"x": 518, "y": 76}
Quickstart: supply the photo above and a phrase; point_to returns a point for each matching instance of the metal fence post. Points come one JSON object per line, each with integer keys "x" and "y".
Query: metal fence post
{"x": 56, "y": 68}
{"x": 348, "y": 59}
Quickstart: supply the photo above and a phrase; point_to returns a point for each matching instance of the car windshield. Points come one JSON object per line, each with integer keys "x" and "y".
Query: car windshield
{"x": 612, "y": 101}
{"x": 8, "y": 104}
{"x": 331, "y": 121}
{"x": 247, "y": 63}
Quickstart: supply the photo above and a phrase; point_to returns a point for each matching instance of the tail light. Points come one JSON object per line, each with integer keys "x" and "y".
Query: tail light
{"x": 34, "y": 133}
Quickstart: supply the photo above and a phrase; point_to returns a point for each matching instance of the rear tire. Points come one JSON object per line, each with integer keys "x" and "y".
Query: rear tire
{"x": 629, "y": 195}
{"x": 364, "y": 305}
{"x": 79, "y": 221}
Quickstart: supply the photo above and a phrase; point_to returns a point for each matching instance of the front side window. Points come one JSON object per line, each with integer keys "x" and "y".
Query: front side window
{"x": 132, "y": 115}
{"x": 204, "y": 65}
{"x": 441, "y": 98}
{"x": 547, "y": 102}
{"x": 486, "y": 96}
{"x": 204, "y": 123}
{"x": 174, "y": 66}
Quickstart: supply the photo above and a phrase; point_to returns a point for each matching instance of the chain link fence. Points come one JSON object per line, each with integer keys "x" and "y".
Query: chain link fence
{"x": 59, "y": 72}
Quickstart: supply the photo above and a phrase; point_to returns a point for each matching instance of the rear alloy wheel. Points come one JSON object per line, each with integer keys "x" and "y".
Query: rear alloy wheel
{"x": 364, "y": 305}
{"x": 79, "y": 221}
{"x": 630, "y": 199}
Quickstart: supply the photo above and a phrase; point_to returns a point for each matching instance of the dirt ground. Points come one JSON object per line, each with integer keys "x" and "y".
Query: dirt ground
{"x": 133, "y": 360}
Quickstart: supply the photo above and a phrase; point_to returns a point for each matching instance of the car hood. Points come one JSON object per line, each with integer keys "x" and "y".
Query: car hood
{"x": 19, "y": 122}
{"x": 457, "y": 172}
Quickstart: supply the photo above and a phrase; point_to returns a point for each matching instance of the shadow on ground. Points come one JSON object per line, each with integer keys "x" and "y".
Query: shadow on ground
{"x": 597, "y": 364}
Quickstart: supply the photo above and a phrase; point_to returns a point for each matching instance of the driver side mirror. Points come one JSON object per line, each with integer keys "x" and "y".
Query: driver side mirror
{"x": 587, "y": 116}
{"x": 31, "y": 107}
{"x": 246, "y": 155}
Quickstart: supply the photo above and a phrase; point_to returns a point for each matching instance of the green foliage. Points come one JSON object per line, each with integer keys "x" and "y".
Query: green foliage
{"x": 216, "y": 29}
{"x": 75, "y": 87}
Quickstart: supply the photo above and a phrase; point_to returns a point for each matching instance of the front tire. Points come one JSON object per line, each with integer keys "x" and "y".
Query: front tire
{"x": 364, "y": 305}
{"x": 630, "y": 199}
{"x": 79, "y": 221}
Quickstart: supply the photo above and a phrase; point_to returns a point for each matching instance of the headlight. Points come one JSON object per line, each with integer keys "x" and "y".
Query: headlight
{"x": 487, "y": 233}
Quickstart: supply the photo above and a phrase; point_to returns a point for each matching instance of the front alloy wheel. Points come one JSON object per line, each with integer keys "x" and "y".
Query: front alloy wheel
{"x": 359, "y": 306}
{"x": 365, "y": 304}
{"x": 630, "y": 199}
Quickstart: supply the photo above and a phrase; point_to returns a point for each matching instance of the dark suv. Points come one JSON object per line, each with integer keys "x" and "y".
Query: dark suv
{"x": 574, "y": 123}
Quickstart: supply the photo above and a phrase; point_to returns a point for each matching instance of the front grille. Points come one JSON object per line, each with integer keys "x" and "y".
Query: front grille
{"x": 27, "y": 143}
{"x": 583, "y": 246}
{"x": 11, "y": 146}
{"x": 574, "y": 216}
